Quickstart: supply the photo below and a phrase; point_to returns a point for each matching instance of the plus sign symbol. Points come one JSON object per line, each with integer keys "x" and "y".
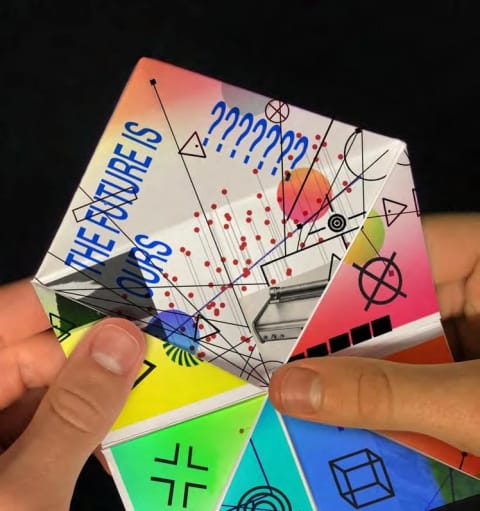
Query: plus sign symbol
{"x": 380, "y": 280}
{"x": 181, "y": 489}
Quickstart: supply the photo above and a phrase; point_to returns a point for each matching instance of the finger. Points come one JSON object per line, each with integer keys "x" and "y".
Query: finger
{"x": 15, "y": 418}
{"x": 468, "y": 330}
{"x": 384, "y": 395}
{"x": 21, "y": 314}
{"x": 102, "y": 460}
{"x": 30, "y": 363}
{"x": 76, "y": 412}
{"x": 453, "y": 244}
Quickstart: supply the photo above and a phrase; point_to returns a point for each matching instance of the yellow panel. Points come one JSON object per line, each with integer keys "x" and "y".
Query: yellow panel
{"x": 169, "y": 385}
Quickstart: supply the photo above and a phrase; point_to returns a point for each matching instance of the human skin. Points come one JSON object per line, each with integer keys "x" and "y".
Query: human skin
{"x": 440, "y": 400}
{"x": 55, "y": 412}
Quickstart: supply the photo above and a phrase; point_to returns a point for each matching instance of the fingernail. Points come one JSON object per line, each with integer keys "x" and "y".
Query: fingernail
{"x": 114, "y": 349}
{"x": 300, "y": 391}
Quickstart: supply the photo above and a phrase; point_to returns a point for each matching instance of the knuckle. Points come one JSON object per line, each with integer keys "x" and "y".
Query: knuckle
{"x": 75, "y": 409}
{"x": 375, "y": 397}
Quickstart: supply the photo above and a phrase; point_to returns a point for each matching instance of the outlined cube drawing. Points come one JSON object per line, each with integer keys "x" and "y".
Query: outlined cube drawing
{"x": 361, "y": 478}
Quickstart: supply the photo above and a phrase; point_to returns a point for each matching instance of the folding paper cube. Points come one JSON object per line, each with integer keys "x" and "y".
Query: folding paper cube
{"x": 239, "y": 232}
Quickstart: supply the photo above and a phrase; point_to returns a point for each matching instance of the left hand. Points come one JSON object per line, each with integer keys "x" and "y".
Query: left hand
{"x": 30, "y": 358}
{"x": 54, "y": 412}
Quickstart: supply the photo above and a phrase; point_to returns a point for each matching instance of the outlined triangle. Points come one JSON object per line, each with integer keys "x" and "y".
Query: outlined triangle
{"x": 193, "y": 147}
{"x": 392, "y": 210}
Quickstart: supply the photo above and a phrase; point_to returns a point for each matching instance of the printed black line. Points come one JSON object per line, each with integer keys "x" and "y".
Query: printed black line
{"x": 153, "y": 83}
{"x": 297, "y": 197}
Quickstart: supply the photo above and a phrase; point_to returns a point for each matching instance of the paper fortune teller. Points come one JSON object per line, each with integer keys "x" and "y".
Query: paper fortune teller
{"x": 240, "y": 232}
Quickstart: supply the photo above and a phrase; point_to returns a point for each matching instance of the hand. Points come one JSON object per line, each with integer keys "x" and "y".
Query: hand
{"x": 438, "y": 400}
{"x": 47, "y": 434}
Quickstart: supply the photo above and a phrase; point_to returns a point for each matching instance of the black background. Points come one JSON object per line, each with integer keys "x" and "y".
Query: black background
{"x": 404, "y": 70}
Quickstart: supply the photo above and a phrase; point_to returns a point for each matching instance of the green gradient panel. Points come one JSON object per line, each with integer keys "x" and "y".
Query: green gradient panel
{"x": 186, "y": 466}
{"x": 454, "y": 485}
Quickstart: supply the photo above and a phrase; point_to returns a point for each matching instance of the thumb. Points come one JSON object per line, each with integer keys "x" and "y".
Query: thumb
{"x": 75, "y": 414}
{"x": 439, "y": 400}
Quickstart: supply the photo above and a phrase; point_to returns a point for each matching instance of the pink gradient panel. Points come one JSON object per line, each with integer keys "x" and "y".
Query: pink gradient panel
{"x": 344, "y": 306}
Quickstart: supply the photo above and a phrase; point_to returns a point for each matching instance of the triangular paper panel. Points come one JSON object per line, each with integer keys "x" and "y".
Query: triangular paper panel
{"x": 268, "y": 475}
{"x": 350, "y": 469}
{"x": 172, "y": 386}
{"x": 383, "y": 283}
{"x": 186, "y": 466}
{"x": 215, "y": 205}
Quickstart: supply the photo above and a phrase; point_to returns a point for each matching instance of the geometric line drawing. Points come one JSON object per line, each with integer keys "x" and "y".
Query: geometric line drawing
{"x": 334, "y": 260}
{"x": 190, "y": 464}
{"x": 150, "y": 367}
{"x": 55, "y": 320}
{"x": 350, "y": 142}
{"x": 361, "y": 478}
{"x": 277, "y": 111}
{"x": 381, "y": 326}
{"x": 391, "y": 268}
{"x": 180, "y": 356}
{"x": 415, "y": 201}
{"x": 404, "y": 160}
{"x": 99, "y": 210}
{"x": 339, "y": 342}
{"x": 171, "y": 488}
{"x": 361, "y": 333}
{"x": 357, "y": 334}
{"x": 462, "y": 461}
{"x": 97, "y": 286}
{"x": 320, "y": 350}
{"x": 393, "y": 210}
{"x": 193, "y": 147}
{"x": 174, "y": 461}
{"x": 337, "y": 222}
{"x": 263, "y": 497}
{"x": 187, "y": 487}
{"x": 171, "y": 482}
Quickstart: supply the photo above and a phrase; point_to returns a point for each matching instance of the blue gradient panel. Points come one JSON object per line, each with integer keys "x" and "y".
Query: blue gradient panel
{"x": 267, "y": 476}
{"x": 350, "y": 469}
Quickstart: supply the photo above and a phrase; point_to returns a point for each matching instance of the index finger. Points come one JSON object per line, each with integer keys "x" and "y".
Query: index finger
{"x": 21, "y": 313}
{"x": 453, "y": 243}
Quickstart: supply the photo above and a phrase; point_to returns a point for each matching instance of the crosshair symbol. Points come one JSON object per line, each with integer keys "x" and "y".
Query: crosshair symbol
{"x": 174, "y": 483}
{"x": 277, "y": 111}
{"x": 391, "y": 269}
{"x": 264, "y": 497}
{"x": 337, "y": 222}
